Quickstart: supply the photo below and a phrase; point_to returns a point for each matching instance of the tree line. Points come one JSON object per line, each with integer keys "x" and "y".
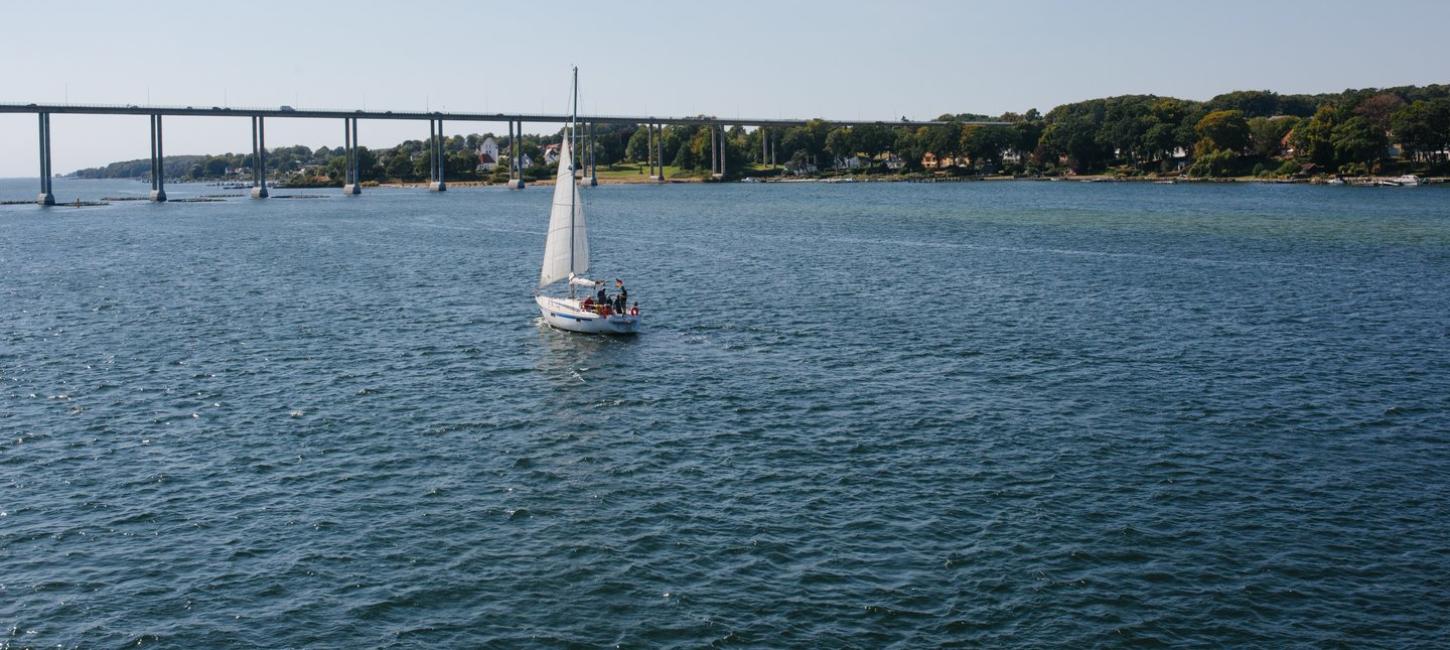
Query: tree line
{"x": 1242, "y": 132}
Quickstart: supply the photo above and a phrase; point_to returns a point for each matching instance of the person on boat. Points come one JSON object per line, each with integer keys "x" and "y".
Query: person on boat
{"x": 621, "y": 296}
{"x": 634, "y": 309}
{"x": 602, "y": 298}
{"x": 588, "y": 304}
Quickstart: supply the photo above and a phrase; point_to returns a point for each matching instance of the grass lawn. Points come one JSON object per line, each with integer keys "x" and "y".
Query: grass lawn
{"x": 631, "y": 171}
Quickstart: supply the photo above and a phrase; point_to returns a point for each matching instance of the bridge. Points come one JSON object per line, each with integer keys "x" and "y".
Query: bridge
{"x": 350, "y": 118}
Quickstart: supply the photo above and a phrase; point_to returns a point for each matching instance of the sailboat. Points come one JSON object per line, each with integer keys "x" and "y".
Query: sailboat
{"x": 566, "y": 254}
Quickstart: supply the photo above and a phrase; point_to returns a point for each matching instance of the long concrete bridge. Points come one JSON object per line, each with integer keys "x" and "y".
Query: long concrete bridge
{"x": 435, "y": 119}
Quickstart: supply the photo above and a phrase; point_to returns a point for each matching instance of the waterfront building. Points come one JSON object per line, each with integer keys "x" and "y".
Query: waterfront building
{"x": 487, "y": 154}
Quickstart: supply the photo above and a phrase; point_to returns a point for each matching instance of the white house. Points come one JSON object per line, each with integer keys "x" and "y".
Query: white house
{"x": 551, "y": 154}
{"x": 525, "y": 160}
{"x": 1181, "y": 159}
{"x": 487, "y": 155}
{"x": 800, "y": 167}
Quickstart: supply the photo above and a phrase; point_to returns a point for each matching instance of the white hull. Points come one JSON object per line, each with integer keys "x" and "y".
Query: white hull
{"x": 565, "y": 314}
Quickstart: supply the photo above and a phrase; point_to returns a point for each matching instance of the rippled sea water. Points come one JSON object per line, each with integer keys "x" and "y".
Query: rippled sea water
{"x": 861, "y": 416}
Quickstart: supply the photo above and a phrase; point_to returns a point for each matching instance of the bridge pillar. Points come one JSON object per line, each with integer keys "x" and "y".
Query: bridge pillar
{"x": 659, "y": 152}
{"x": 648, "y": 150}
{"x": 46, "y": 197}
{"x": 717, "y": 170}
{"x": 158, "y": 162}
{"x": 259, "y": 158}
{"x": 516, "y": 154}
{"x": 350, "y": 186}
{"x": 593, "y": 168}
{"x": 721, "y": 130}
{"x": 437, "y": 157}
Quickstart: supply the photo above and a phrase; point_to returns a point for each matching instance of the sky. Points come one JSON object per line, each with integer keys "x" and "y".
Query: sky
{"x": 844, "y": 60}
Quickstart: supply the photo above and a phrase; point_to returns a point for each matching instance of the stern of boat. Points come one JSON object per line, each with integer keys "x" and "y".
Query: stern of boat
{"x": 564, "y": 314}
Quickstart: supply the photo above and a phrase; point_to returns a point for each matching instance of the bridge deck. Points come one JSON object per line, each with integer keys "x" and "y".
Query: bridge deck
{"x": 225, "y": 111}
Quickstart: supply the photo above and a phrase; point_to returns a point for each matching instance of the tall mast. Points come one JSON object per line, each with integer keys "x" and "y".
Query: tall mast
{"x": 574, "y": 114}
{"x": 573, "y": 120}
{"x": 574, "y": 125}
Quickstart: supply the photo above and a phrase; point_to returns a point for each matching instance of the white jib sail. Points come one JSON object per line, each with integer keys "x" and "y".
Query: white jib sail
{"x": 566, "y": 248}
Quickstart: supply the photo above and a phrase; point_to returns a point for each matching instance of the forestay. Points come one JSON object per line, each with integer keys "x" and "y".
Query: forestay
{"x": 566, "y": 248}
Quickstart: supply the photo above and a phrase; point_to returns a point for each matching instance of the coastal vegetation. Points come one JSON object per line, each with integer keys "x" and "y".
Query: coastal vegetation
{"x": 1242, "y": 133}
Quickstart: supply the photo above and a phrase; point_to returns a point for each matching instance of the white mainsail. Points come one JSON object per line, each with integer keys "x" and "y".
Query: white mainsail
{"x": 566, "y": 248}
{"x": 566, "y": 253}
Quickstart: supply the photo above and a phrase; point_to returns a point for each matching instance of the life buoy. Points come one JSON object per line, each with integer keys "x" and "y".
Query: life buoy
{"x": 634, "y": 311}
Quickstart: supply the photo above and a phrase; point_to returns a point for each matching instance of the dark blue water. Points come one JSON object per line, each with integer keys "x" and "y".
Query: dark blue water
{"x": 1016, "y": 414}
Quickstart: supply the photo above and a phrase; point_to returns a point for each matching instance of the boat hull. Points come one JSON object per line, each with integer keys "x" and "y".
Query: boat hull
{"x": 564, "y": 314}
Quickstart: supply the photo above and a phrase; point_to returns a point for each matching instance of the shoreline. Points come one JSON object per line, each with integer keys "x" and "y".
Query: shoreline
{"x": 1355, "y": 181}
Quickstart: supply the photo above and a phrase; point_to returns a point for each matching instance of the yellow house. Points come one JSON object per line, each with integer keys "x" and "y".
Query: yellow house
{"x": 930, "y": 161}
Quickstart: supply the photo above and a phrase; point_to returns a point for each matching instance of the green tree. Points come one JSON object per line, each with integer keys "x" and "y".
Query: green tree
{"x": 909, "y": 148}
{"x": 1160, "y": 140}
{"x": 694, "y": 150}
{"x": 1311, "y": 139}
{"x": 421, "y": 165}
{"x": 872, "y": 139}
{"x": 1266, "y": 134}
{"x": 460, "y": 164}
{"x": 1222, "y": 131}
{"x": 799, "y": 140}
{"x": 1076, "y": 131}
{"x": 985, "y": 144}
{"x": 1216, "y": 163}
{"x": 796, "y": 144}
{"x": 1250, "y": 103}
{"x": 1026, "y": 135}
{"x": 1357, "y": 140}
{"x": 215, "y": 167}
{"x": 1125, "y": 123}
{"x": 1379, "y": 109}
{"x": 367, "y": 165}
{"x": 944, "y": 141}
{"x": 674, "y": 137}
{"x": 637, "y": 150}
{"x": 399, "y": 165}
{"x": 1076, "y": 138}
{"x": 840, "y": 144}
{"x": 1422, "y": 127}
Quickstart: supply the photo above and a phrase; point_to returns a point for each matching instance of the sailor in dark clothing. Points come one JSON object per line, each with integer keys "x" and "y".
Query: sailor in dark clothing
{"x": 601, "y": 298}
{"x": 621, "y": 296}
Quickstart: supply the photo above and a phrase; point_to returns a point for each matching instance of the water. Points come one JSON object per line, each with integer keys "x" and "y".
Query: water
{"x": 865, "y": 416}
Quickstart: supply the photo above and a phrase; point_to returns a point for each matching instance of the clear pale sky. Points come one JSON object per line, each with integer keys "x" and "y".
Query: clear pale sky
{"x": 871, "y": 60}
